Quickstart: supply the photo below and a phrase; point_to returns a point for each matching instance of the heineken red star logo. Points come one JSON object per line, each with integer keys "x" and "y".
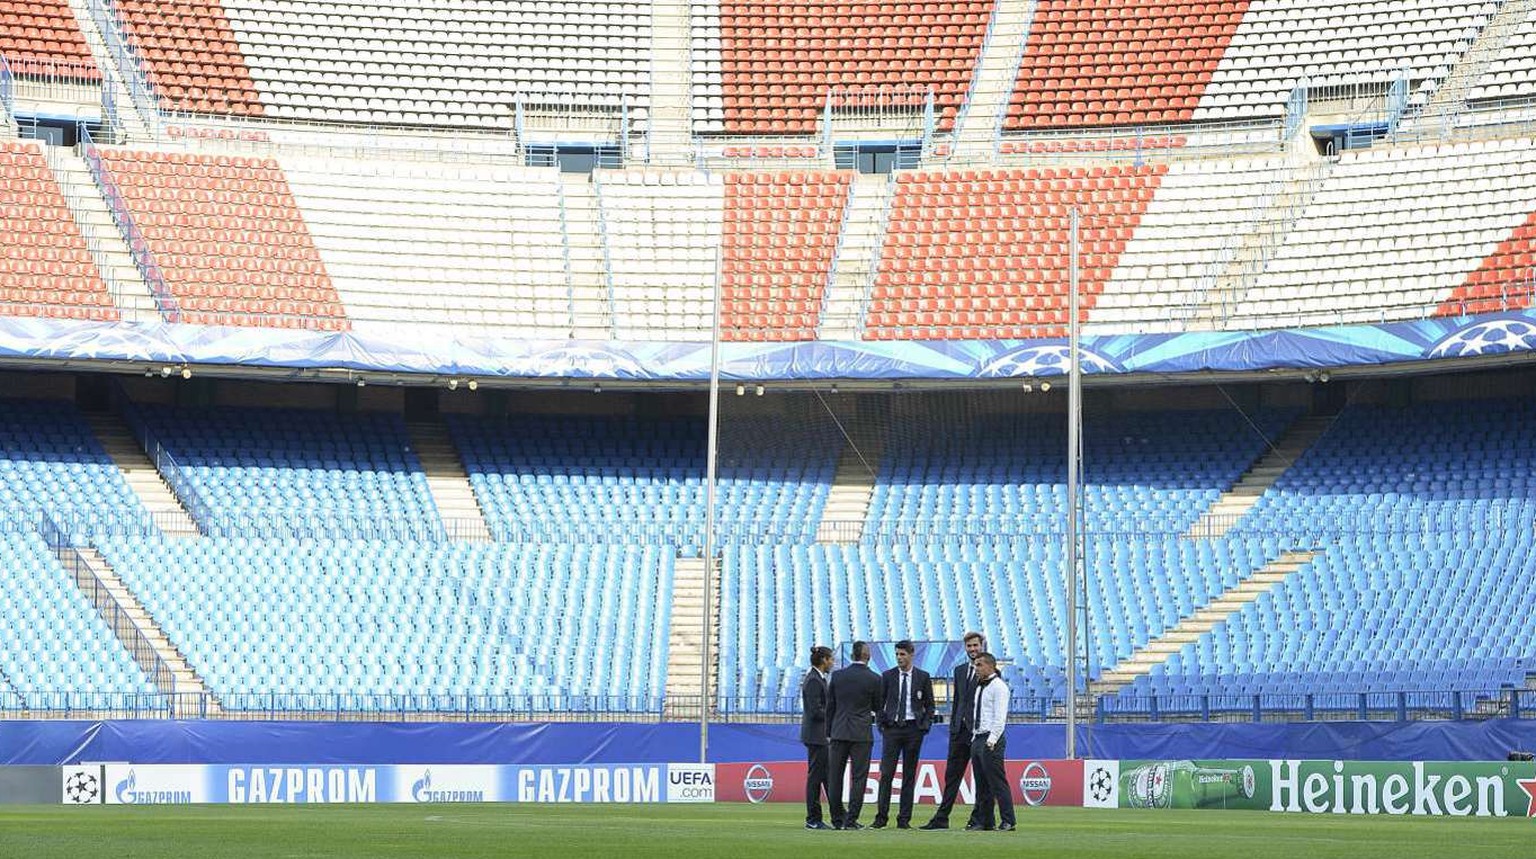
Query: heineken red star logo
{"x": 1529, "y": 786}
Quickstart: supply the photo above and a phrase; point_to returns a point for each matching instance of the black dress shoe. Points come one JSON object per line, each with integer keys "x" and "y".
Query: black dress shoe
{"x": 1006, "y": 827}
{"x": 903, "y": 825}
{"x": 853, "y": 825}
{"x": 933, "y": 825}
{"x": 878, "y": 824}
{"x": 977, "y": 827}
{"x": 817, "y": 825}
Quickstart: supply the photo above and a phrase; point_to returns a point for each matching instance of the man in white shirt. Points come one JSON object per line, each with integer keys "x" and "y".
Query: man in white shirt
{"x": 988, "y": 746}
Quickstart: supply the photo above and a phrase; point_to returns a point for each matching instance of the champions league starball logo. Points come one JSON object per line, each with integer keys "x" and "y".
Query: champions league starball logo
{"x": 1047, "y": 360}
{"x": 82, "y": 788}
{"x": 1101, "y": 785}
{"x": 1490, "y": 337}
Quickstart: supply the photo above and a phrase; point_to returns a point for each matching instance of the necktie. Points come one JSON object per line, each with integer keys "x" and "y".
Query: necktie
{"x": 901, "y": 709}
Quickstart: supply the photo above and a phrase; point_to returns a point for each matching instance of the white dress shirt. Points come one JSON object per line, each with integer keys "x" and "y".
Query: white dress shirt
{"x": 993, "y": 702}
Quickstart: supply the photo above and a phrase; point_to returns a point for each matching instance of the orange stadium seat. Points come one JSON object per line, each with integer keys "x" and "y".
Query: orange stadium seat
{"x": 47, "y": 269}
{"x": 211, "y": 223}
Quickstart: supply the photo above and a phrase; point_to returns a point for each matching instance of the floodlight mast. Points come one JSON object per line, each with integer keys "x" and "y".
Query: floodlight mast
{"x": 1074, "y": 470}
{"x": 709, "y": 516}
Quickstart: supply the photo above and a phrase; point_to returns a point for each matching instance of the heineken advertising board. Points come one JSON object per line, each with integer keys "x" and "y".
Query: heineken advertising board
{"x": 1487, "y": 789}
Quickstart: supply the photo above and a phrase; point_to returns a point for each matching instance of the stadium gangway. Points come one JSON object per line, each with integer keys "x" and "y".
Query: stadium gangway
{"x": 136, "y": 78}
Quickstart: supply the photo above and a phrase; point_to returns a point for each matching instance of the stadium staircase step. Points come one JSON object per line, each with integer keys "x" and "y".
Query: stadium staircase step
{"x": 1235, "y": 503}
{"x": 139, "y": 633}
{"x": 1188, "y": 630}
{"x": 1449, "y": 98}
{"x": 685, "y": 643}
{"x": 858, "y": 255}
{"x": 141, "y": 475}
{"x": 1273, "y": 220}
{"x": 447, "y": 481}
{"x": 108, "y": 249}
{"x": 131, "y": 124}
{"x": 853, "y": 485}
{"x": 669, "y": 125}
{"x": 593, "y": 316}
{"x": 975, "y": 137}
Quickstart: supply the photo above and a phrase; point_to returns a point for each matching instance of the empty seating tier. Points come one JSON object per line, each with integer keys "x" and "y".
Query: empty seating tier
{"x": 1505, "y": 280}
{"x": 228, "y": 239}
{"x": 51, "y": 465}
{"x": 58, "y": 653}
{"x": 1396, "y": 231}
{"x": 778, "y": 243}
{"x": 441, "y": 62}
{"x": 380, "y": 626}
{"x": 189, "y": 53}
{"x": 779, "y": 59}
{"x": 1333, "y": 47}
{"x": 1131, "y": 63}
{"x": 625, "y": 480}
{"x": 297, "y": 472}
{"x": 47, "y": 269}
{"x": 34, "y": 33}
{"x": 1512, "y": 72}
{"x": 663, "y": 231}
{"x": 426, "y": 242}
{"x": 950, "y": 268}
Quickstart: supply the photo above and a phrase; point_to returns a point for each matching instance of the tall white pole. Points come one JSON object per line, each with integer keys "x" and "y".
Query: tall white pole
{"x": 709, "y": 516}
{"x": 1074, "y": 431}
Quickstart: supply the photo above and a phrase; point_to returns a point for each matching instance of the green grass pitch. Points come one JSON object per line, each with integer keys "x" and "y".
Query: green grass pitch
{"x": 731, "y": 831}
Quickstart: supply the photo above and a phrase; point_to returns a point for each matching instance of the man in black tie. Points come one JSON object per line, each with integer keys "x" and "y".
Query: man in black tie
{"x": 904, "y": 720}
{"x": 853, "y": 699}
{"x": 813, "y": 733}
{"x": 961, "y": 698}
{"x": 989, "y": 747}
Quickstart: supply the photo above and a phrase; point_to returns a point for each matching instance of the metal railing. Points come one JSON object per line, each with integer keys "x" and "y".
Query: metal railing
{"x": 135, "y": 76}
{"x": 138, "y": 245}
{"x": 118, "y": 620}
{"x": 890, "y": 112}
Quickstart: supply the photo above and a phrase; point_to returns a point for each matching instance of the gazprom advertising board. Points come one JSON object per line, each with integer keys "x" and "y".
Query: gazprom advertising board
{"x": 144, "y": 784}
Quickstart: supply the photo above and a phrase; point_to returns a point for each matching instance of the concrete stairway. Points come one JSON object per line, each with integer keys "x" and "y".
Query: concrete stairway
{"x": 1191, "y": 628}
{"x": 1250, "y": 256}
{"x": 592, "y": 311}
{"x": 138, "y": 632}
{"x": 685, "y": 643}
{"x": 1244, "y": 494}
{"x": 448, "y": 482}
{"x": 669, "y": 127}
{"x": 853, "y": 484}
{"x": 142, "y": 476}
{"x": 1450, "y": 97}
{"x": 132, "y": 124}
{"x": 996, "y": 73}
{"x": 858, "y": 253}
{"x": 107, "y": 246}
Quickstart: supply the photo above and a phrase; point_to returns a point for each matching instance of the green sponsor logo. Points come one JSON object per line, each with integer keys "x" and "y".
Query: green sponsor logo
{"x": 1490, "y": 789}
{"x": 1419, "y": 787}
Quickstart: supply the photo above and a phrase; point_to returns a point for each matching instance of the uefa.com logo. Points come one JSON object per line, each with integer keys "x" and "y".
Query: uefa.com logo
{"x": 1035, "y": 783}
{"x": 758, "y": 785}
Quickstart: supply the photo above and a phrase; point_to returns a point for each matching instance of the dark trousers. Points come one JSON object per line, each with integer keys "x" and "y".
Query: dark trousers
{"x": 855, "y": 755}
{"x": 815, "y": 781}
{"x": 954, "y": 773}
{"x": 903, "y": 741}
{"x": 991, "y": 781}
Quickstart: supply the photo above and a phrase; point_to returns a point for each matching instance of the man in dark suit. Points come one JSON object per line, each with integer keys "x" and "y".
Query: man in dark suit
{"x": 813, "y": 733}
{"x": 905, "y": 716}
{"x": 853, "y": 699}
{"x": 962, "y": 691}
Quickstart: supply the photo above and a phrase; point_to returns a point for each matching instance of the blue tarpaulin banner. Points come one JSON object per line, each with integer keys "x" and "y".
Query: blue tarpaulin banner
{"x": 405, "y": 350}
{"x": 368, "y": 743}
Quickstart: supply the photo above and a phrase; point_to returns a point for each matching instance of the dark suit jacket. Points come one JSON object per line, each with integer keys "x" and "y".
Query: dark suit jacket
{"x": 813, "y": 713}
{"x": 962, "y": 697}
{"x": 852, "y": 702}
{"x": 920, "y": 691}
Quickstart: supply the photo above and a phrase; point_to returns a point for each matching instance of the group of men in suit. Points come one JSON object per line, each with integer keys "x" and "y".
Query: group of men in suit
{"x": 840, "y": 710}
